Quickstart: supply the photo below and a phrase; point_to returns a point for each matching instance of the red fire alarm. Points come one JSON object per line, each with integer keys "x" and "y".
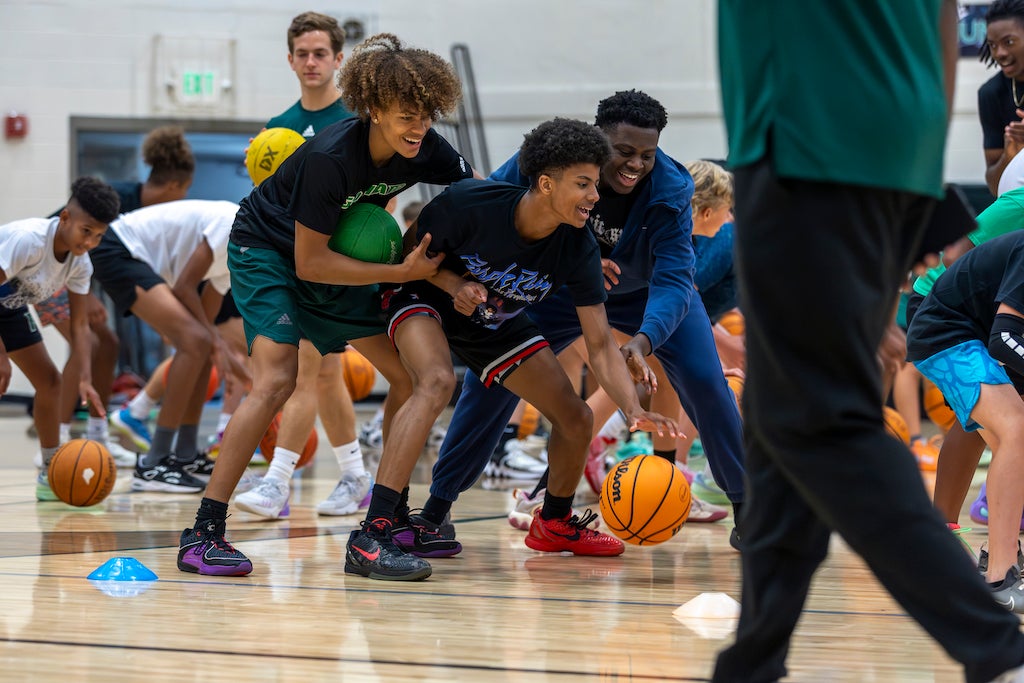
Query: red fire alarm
{"x": 15, "y": 125}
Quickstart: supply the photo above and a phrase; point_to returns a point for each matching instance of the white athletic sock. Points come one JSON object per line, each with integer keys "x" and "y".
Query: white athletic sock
{"x": 282, "y": 467}
{"x": 614, "y": 427}
{"x": 65, "y": 432}
{"x": 350, "y": 458}
{"x": 141, "y": 405}
{"x": 96, "y": 429}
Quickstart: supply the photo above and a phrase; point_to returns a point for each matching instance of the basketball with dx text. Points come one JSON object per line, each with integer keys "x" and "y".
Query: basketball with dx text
{"x": 269, "y": 442}
{"x": 367, "y": 232}
{"x": 82, "y": 472}
{"x": 359, "y": 374}
{"x": 268, "y": 149}
{"x": 645, "y": 500}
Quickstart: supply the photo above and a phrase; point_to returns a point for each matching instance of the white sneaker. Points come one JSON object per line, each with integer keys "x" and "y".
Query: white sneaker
{"x": 701, "y": 511}
{"x": 249, "y": 481}
{"x": 268, "y": 499}
{"x": 515, "y": 465}
{"x": 371, "y": 433}
{"x": 351, "y": 494}
{"x": 122, "y": 456}
{"x": 533, "y": 445}
{"x": 523, "y": 506}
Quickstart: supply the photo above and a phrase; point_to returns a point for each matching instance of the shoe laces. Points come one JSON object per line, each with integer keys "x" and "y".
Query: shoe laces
{"x": 583, "y": 521}
{"x": 214, "y": 532}
{"x": 378, "y": 526}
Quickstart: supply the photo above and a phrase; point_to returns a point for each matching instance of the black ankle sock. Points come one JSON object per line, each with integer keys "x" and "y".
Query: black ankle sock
{"x": 403, "y": 500}
{"x": 736, "y": 507}
{"x": 211, "y": 510}
{"x": 669, "y": 455}
{"x": 556, "y": 507}
{"x": 383, "y": 503}
{"x": 436, "y": 508}
{"x": 542, "y": 484}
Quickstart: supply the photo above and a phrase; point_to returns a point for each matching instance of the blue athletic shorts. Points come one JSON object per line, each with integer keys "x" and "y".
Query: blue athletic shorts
{"x": 959, "y": 372}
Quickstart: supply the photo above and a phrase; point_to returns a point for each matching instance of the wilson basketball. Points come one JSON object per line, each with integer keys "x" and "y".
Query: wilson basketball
{"x": 736, "y": 384}
{"x": 895, "y": 425}
{"x": 367, "y": 232}
{"x": 733, "y": 322}
{"x": 645, "y": 500}
{"x": 359, "y": 374}
{"x": 269, "y": 442}
{"x": 268, "y": 149}
{"x": 936, "y": 408}
{"x": 82, "y": 472}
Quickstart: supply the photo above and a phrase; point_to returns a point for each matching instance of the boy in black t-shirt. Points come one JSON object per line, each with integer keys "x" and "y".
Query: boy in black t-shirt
{"x": 969, "y": 325}
{"x": 506, "y": 247}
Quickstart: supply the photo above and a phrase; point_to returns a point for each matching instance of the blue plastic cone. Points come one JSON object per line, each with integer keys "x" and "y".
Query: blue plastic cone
{"x": 122, "y": 569}
{"x": 122, "y": 577}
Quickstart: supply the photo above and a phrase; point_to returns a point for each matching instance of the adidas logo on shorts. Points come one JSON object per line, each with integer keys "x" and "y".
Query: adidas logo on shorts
{"x": 284, "y": 320}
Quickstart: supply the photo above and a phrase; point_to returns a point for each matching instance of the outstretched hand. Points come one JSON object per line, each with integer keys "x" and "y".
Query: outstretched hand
{"x": 646, "y": 421}
{"x": 87, "y": 392}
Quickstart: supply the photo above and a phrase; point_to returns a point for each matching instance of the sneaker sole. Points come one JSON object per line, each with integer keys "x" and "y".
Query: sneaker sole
{"x": 535, "y": 544}
{"x": 133, "y": 441}
{"x": 713, "y": 517}
{"x": 162, "y": 487}
{"x": 418, "y": 575}
{"x": 336, "y": 512}
{"x": 260, "y": 512}
{"x": 405, "y": 543}
{"x": 214, "y": 570}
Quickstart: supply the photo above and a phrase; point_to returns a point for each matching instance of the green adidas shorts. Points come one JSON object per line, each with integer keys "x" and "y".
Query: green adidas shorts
{"x": 276, "y": 304}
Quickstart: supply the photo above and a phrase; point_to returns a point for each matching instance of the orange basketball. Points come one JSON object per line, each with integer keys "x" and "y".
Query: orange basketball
{"x": 528, "y": 424}
{"x": 733, "y": 322}
{"x": 359, "y": 374}
{"x": 645, "y": 500}
{"x": 211, "y": 386}
{"x": 937, "y": 409}
{"x": 269, "y": 442}
{"x": 82, "y": 472}
{"x": 896, "y": 425}
{"x": 736, "y": 384}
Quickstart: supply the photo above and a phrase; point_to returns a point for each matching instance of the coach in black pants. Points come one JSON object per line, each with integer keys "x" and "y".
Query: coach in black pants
{"x": 832, "y": 198}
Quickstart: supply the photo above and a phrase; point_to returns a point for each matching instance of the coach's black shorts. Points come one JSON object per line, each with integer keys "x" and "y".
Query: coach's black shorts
{"x": 492, "y": 354}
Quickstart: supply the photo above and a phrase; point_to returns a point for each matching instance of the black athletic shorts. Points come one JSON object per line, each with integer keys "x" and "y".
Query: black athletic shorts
{"x": 18, "y": 328}
{"x": 118, "y": 272}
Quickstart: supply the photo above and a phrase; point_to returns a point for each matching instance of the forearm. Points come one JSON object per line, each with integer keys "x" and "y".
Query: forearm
{"x": 81, "y": 348}
{"x": 613, "y": 376}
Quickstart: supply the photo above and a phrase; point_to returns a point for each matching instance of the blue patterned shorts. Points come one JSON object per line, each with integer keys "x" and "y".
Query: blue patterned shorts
{"x": 959, "y": 372}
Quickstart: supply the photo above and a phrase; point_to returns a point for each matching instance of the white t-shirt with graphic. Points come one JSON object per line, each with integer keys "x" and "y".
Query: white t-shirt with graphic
{"x": 165, "y": 236}
{"x": 33, "y": 272}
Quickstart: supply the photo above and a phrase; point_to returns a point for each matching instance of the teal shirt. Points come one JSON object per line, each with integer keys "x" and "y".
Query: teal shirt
{"x": 309, "y": 123}
{"x": 815, "y": 75}
{"x": 1004, "y": 215}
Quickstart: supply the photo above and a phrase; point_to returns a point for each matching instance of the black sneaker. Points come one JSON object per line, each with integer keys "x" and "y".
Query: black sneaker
{"x": 201, "y": 468}
{"x": 983, "y": 560}
{"x": 167, "y": 477}
{"x": 204, "y": 551}
{"x": 372, "y": 553}
{"x": 734, "y": 539}
{"x": 418, "y": 535}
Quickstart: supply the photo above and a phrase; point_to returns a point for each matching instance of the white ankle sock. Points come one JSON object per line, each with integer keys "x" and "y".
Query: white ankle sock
{"x": 141, "y": 405}
{"x": 282, "y": 467}
{"x": 96, "y": 429}
{"x": 65, "y": 432}
{"x": 350, "y": 458}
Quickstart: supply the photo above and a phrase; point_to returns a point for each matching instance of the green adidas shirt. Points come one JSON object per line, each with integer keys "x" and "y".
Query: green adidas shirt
{"x": 803, "y": 79}
{"x": 309, "y": 123}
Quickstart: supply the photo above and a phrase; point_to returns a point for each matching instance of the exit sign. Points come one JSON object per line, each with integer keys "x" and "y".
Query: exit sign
{"x": 198, "y": 84}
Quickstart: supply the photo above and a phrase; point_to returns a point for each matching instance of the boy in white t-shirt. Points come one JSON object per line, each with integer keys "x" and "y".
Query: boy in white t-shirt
{"x": 38, "y": 256}
{"x": 151, "y": 264}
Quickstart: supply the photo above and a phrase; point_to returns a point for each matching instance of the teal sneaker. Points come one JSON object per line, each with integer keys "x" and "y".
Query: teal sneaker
{"x": 705, "y": 488}
{"x": 44, "y": 493}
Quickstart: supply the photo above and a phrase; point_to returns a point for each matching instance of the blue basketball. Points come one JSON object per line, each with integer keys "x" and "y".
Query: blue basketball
{"x": 367, "y": 232}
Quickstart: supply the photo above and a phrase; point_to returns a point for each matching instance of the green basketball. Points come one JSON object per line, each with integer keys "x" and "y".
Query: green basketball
{"x": 367, "y": 232}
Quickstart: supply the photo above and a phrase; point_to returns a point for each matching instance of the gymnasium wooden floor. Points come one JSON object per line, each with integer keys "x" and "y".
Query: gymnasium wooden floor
{"x": 497, "y": 612}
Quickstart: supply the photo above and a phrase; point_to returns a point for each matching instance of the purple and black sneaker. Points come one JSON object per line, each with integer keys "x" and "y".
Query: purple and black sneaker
{"x": 205, "y": 551}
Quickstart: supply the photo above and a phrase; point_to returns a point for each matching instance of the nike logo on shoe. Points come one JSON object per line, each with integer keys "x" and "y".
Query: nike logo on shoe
{"x": 372, "y": 557}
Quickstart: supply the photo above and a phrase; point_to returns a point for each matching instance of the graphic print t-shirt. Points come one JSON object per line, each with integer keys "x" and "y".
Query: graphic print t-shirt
{"x": 33, "y": 273}
{"x": 473, "y": 224}
{"x": 331, "y": 172}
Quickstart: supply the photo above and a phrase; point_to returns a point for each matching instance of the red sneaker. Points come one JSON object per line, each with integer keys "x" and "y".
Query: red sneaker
{"x": 573, "y": 534}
